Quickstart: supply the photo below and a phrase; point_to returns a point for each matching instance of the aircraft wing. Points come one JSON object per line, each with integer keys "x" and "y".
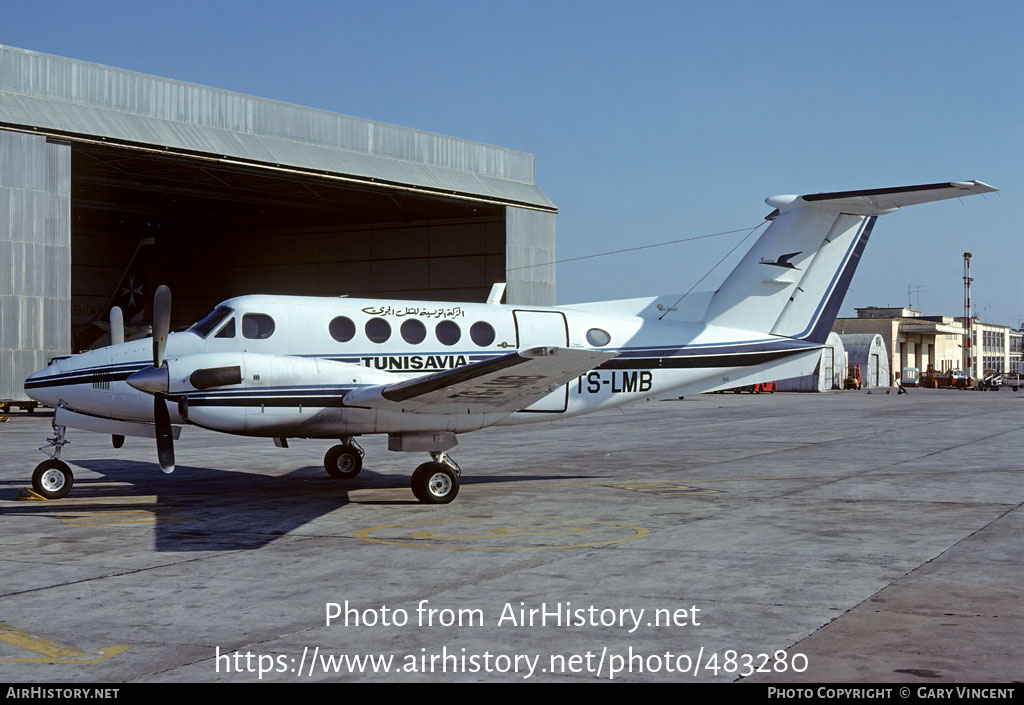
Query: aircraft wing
{"x": 507, "y": 383}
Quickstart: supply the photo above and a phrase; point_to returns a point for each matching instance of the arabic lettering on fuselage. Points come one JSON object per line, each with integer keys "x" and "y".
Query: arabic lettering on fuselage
{"x": 455, "y": 312}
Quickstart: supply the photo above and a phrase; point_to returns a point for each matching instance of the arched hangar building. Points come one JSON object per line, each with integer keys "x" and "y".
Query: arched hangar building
{"x": 239, "y": 194}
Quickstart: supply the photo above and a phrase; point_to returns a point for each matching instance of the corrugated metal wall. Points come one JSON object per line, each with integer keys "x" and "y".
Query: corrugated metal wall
{"x": 868, "y": 351}
{"x": 79, "y": 96}
{"x": 35, "y": 256}
{"x": 529, "y": 257}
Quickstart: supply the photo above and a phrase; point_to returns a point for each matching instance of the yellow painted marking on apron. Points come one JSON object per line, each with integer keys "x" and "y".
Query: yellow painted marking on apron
{"x": 52, "y": 651}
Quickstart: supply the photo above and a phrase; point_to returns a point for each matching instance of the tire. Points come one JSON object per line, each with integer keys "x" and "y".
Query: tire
{"x": 52, "y": 479}
{"x": 343, "y": 462}
{"x": 435, "y": 483}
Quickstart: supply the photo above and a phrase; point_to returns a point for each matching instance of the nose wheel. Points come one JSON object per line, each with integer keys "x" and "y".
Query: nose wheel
{"x": 52, "y": 479}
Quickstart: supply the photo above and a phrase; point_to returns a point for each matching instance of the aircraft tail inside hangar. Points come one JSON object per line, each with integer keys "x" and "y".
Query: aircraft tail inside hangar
{"x": 241, "y": 195}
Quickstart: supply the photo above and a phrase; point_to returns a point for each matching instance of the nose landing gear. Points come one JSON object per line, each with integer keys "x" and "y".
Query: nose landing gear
{"x": 53, "y": 478}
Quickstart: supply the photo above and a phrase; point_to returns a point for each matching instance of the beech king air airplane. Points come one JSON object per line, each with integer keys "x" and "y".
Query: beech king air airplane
{"x": 422, "y": 372}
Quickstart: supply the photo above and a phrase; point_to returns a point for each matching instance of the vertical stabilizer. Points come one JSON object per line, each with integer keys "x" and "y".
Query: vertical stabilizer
{"x": 129, "y": 295}
{"x": 793, "y": 280}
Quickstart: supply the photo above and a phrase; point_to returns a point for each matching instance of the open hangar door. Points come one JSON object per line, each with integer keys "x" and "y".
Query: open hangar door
{"x": 222, "y": 229}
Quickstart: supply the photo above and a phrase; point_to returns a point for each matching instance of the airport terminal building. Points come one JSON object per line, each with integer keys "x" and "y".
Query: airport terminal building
{"x": 238, "y": 194}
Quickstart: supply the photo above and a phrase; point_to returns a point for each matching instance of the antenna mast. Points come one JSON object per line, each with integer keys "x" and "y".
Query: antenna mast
{"x": 968, "y": 319}
{"x": 912, "y": 290}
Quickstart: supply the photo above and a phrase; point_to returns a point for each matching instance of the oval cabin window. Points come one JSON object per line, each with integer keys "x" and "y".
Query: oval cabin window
{"x": 257, "y": 326}
{"x": 342, "y": 329}
{"x": 482, "y": 333}
{"x": 598, "y": 338}
{"x": 413, "y": 331}
{"x": 448, "y": 332}
{"x": 378, "y": 330}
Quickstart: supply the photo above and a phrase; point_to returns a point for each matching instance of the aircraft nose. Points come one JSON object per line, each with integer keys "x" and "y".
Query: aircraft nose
{"x": 36, "y": 388}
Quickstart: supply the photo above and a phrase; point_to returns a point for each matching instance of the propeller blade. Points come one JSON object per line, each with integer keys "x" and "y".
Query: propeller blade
{"x": 116, "y": 326}
{"x": 161, "y": 322}
{"x": 164, "y": 439}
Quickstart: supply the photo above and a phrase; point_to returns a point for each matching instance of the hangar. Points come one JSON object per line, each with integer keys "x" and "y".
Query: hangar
{"x": 239, "y": 194}
{"x": 828, "y": 374}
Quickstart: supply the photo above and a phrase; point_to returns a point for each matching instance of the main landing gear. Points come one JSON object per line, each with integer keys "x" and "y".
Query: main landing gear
{"x": 345, "y": 461}
{"x": 436, "y": 482}
{"x": 53, "y": 478}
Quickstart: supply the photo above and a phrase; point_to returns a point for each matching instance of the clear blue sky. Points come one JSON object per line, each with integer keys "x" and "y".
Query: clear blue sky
{"x": 650, "y": 121}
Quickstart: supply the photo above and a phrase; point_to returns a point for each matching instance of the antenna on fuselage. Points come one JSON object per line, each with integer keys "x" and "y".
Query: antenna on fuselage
{"x": 116, "y": 326}
{"x": 497, "y": 292}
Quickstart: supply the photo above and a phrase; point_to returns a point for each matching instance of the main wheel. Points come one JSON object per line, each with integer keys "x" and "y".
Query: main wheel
{"x": 435, "y": 483}
{"x": 52, "y": 479}
{"x": 343, "y": 462}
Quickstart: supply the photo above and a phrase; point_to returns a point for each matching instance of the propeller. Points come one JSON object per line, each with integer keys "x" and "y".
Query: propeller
{"x": 156, "y": 379}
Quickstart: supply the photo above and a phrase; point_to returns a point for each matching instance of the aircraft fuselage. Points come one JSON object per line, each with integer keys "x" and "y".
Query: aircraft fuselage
{"x": 312, "y": 351}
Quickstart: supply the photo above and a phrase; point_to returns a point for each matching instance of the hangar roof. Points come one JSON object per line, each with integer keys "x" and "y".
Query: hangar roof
{"x": 85, "y": 101}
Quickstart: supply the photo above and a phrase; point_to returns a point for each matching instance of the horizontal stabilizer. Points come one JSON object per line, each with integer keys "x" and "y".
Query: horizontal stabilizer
{"x": 507, "y": 383}
{"x": 879, "y": 201}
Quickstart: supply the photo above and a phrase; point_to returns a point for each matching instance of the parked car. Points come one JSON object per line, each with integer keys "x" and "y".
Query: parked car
{"x": 1013, "y": 380}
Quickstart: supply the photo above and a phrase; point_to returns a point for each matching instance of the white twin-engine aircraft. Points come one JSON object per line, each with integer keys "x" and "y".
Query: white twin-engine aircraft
{"x": 422, "y": 372}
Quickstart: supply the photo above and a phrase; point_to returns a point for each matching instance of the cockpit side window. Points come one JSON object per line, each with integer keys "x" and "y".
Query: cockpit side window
{"x": 213, "y": 319}
{"x": 227, "y": 330}
{"x": 257, "y": 326}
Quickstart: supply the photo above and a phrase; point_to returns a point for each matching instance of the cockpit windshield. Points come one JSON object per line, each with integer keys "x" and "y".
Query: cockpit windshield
{"x": 204, "y": 327}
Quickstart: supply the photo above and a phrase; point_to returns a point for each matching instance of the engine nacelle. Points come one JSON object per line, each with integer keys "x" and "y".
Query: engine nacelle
{"x": 265, "y": 395}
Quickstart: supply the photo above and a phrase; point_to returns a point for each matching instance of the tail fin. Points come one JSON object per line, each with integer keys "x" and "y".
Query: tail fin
{"x": 794, "y": 279}
{"x": 129, "y": 295}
